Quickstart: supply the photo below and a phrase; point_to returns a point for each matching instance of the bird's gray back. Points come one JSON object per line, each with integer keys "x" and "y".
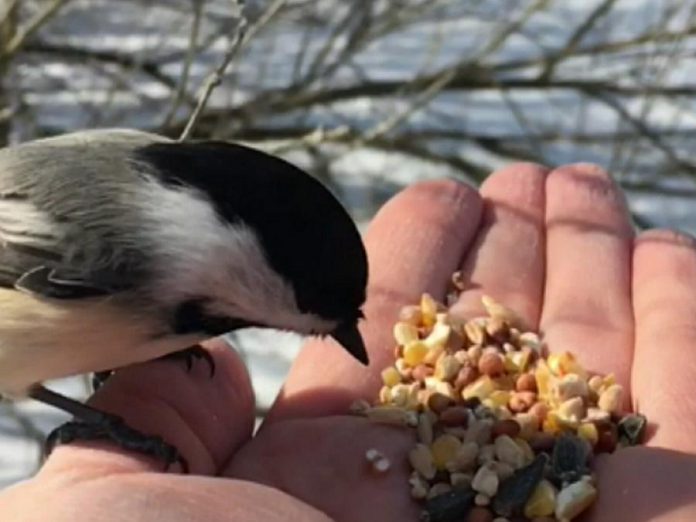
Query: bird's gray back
{"x": 72, "y": 201}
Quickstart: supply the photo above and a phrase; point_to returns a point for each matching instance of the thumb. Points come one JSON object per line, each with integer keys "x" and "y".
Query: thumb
{"x": 206, "y": 418}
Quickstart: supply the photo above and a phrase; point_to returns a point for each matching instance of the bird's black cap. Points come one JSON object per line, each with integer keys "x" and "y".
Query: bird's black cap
{"x": 307, "y": 235}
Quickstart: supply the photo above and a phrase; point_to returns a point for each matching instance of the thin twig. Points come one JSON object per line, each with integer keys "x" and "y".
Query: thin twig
{"x": 242, "y": 36}
{"x": 69, "y": 52}
{"x": 186, "y": 68}
{"x": 33, "y": 25}
{"x": 7, "y": 10}
{"x": 642, "y": 128}
{"x": 501, "y": 36}
{"x": 590, "y": 22}
{"x": 425, "y": 97}
{"x": 212, "y": 81}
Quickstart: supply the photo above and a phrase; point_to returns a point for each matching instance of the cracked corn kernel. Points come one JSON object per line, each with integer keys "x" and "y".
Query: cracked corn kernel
{"x": 569, "y": 387}
{"x": 414, "y": 353}
{"x": 481, "y": 388}
{"x": 405, "y": 333}
{"x": 542, "y": 502}
{"x": 444, "y": 449}
{"x": 391, "y": 376}
{"x": 499, "y": 311}
{"x": 486, "y": 481}
{"x": 438, "y": 337}
{"x": 574, "y": 499}
{"x": 497, "y": 399}
{"x": 447, "y": 368}
{"x": 588, "y": 431}
{"x": 611, "y": 398}
{"x": 428, "y": 308}
{"x": 571, "y": 412}
{"x": 509, "y": 452}
{"x": 544, "y": 379}
{"x": 551, "y": 424}
{"x": 421, "y": 459}
{"x": 564, "y": 363}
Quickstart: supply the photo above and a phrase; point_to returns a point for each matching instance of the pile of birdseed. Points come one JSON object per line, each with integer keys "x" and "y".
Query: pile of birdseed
{"x": 506, "y": 431}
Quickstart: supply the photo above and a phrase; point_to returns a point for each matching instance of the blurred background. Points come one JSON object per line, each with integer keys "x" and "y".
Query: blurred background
{"x": 368, "y": 95}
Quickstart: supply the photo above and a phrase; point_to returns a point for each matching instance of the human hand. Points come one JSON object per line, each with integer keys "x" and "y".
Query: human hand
{"x": 556, "y": 247}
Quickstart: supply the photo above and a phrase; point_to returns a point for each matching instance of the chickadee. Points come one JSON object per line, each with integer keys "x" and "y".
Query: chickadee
{"x": 120, "y": 246}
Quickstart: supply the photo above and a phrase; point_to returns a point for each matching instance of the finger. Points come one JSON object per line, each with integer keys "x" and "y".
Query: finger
{"x": 414, "y": 244}
{"x": 205, "y": 418}
{"x": 642, "y": 484}
{"x": 664, "y": 367}
{"x": 587, "y": 301}
{"x": 143, "y": 497}
{"x": 322, "y": 462}
{"x": 507, "y": 259}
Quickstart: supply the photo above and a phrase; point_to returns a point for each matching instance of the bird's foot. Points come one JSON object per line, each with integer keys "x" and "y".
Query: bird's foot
{"x": 114, "y": 429}
{"x": 99, "y": 378}
{"x": 188, "y": 355}
{"x": 193, "y": 353}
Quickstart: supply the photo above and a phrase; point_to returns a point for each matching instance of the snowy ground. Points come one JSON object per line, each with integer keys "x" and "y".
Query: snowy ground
{"x": 365, "y": 178}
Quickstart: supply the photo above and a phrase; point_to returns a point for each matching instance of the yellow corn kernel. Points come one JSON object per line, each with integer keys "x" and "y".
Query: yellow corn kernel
{"x": 588, "y": 431}
{"x": 509, "y": 364}
{"x": 433, "y": 354}
{"x": 543, "y": 377}
{"x": 574, "y": 499}
{"x": 405, "y": 333}
{"x": 414, "y": 353}
{"x": 447, "y": 367}
{"x": 607, "y": 380}
{"x": 444, "y": 449}
{"x": 385, "y": 395}
{"x": 497, "y": 310}
{"x": 391, "y": 376}
{"x": 564, "y": 363}
{"x": 428, "y": 308}
{"x": 439, "y": 336}
{"x": 551, "y": 424}
{"x": 554, "y": 364}
{"x": 505, "y": 382}
{"x": 542, "y": 502}
{"x": 481, "y": 388}
{"x": 499, "y": 398}
{"x": 571, "y": 365}
{"x": 517, "y": 362}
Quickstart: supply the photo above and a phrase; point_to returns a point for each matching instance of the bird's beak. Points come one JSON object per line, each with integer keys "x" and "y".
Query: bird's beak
{"x": 349, "y": 337}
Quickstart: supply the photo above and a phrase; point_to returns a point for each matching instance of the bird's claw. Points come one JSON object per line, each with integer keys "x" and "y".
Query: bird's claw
{"x": 114, "y": 429}
{"x": 194, "y": 353}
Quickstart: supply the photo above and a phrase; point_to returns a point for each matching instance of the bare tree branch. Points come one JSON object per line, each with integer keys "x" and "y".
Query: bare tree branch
{"x": 181, "y": 90}
{"x": 71, "y": 53}
{"x": 242, "y": 36}
{"x": 590, "y": 22}
{"x": 33, "y": 25}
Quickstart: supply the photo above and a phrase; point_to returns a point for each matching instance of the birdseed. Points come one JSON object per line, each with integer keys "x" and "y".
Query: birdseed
{"x": 504, "y": 429}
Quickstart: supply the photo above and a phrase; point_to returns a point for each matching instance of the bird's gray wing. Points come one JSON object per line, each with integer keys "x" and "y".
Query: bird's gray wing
{"x": 56, "y": 256}
{"x": 66, "y": 221}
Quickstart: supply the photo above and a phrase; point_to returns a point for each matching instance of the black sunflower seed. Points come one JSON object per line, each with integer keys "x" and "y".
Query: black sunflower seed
{"x": 632, "y": 429}
{"x": 514, "y": 492}
{"x": 569, "y": 458}
{"x": 452, "y": 506}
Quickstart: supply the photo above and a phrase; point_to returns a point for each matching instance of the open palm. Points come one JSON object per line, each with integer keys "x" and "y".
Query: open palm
{"x": 558, "y": 247}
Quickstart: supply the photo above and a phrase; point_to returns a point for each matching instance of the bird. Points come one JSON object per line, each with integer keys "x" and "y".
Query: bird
{"x": 119, "y": 246}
